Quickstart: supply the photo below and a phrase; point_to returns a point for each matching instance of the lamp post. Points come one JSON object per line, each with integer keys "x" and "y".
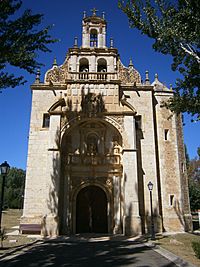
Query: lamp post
{"x": 4, "y": 169}
{"x": 150, "y": 187}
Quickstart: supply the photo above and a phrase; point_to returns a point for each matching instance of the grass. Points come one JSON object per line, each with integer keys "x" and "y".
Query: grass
{"x": 179, "y": 244}
{"x": 11, "y": 218}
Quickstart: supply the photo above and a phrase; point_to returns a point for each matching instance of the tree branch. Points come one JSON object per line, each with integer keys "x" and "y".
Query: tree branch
{"x": 190, "y": 51}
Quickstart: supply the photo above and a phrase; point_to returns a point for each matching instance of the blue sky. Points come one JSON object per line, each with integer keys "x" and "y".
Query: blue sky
{"x": 66, "y": 16}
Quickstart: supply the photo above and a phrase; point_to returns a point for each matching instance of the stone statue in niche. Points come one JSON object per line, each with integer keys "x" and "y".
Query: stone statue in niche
{"x": 92, "y": 144}
{"x": 117, "y": 149}
{"x": 92, "y": 104}
{"x": 92, "y": 149}
{"x": 77, "y": 152}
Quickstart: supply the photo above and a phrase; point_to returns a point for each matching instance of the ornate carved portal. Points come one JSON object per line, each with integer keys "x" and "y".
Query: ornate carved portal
{"x": 91, "y": 161}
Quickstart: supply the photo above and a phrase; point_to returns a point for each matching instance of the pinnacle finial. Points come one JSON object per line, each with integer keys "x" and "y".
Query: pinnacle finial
{"x": 147, "y": 77}
{"x": 75, "y": 41}
{"x": 94, "y": 10}
{"x": 84, "y": 14}
{"x": 55, "y": 62}
{"x": 37, "y": 78}
{"x": 170, "y": 87}
{"x": 130, "y": 63}
{"x": 156, "y": 76}
{"x": 111, "y": 42}
{"x": 103, "y": 15}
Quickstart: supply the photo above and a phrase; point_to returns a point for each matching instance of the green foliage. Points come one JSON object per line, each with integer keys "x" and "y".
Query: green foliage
{"x": 20, "y": 42}
{"x": 194, "y": 193}
{"x": 196, "y": 248}
{"x": 198, "y": 152}
{"x": 175, "y": 28}
{"x": 187, "y": 157}
{"x": 193, "y": 169}
{"x": 14, "y": 189}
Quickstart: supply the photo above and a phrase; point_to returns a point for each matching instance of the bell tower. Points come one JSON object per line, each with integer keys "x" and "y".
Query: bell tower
{"x": 94, "y": 30}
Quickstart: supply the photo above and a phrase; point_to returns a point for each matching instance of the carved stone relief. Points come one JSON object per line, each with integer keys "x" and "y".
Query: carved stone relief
{"x": 57, "y": 73}
{"x": 128, "y": 75}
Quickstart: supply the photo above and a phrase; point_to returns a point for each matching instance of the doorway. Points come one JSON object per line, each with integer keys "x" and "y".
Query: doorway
{"x": 91, "y": 210}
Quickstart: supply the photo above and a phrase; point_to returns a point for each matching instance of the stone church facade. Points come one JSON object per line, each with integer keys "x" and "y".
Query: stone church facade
{"x": 98, "y": 135}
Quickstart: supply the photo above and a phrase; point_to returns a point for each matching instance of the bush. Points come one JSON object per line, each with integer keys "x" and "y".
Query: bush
{"x": 196, "y": 248}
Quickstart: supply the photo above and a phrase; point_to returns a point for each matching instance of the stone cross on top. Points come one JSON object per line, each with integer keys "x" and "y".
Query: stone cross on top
{"x": 94, "y": 10}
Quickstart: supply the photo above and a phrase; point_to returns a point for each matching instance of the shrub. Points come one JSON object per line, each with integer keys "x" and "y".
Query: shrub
{"x": 196, "y": 248}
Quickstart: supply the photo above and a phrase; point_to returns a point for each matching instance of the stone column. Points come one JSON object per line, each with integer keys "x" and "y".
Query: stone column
{"x": 117, "y": 205}
{"x": 132, "y": 222}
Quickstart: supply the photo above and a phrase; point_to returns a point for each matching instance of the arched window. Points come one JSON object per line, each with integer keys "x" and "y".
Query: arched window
{"x": 101, "y": 65}
{"x": 83, "y": 65}
{"x": 93, "y": 38}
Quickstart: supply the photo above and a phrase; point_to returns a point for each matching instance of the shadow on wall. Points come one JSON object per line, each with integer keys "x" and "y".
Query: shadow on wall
{"x": 50, "y": 220}
{"x": 143, "y": 222}
{"x": 180, "y": 214}
{"x": 140, "y": 187}
{"x": 92, "y": 105}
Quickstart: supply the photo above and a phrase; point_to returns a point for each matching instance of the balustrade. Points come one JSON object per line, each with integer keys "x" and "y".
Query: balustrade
{"x": 93, "y": 76}
{"x": 94, "y": 159}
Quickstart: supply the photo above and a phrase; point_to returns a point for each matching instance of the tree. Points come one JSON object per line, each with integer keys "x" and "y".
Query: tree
{"x": 194, "y": 192}
{"x": 20, "y": 42}
{"x": 175, "y": 28}
{"x": 187, "y": 157}
{"x": 193, "y": 169}
{"x": 14, "y": 189}
{"x": 198, "y": 152}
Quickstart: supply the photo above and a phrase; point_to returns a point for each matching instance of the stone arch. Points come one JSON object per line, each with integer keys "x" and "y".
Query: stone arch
{"x": 81, "y": 168}
{"x": 83, "y": 65}
{"x": 73, "y": 123}
{"x": 93, "y": 38}
{"x": 101, "y": 65}
{"x": 107, "y": 193}
{"x": 106, "y": 119}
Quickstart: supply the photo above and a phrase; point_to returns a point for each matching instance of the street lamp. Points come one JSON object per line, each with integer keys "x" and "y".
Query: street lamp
{"x": 150, "y": 187}
{"x": 4, "y": 169}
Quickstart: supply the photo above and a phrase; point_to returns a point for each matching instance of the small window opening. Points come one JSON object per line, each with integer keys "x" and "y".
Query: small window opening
{"x": 93, "y": 38}
{"x": 171, "y": 200}
{"x": 138, "y": 122}
{"x": 46, "y": 120}
{"x": 166, "y": 134}
{"x": 183, "y": 167}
